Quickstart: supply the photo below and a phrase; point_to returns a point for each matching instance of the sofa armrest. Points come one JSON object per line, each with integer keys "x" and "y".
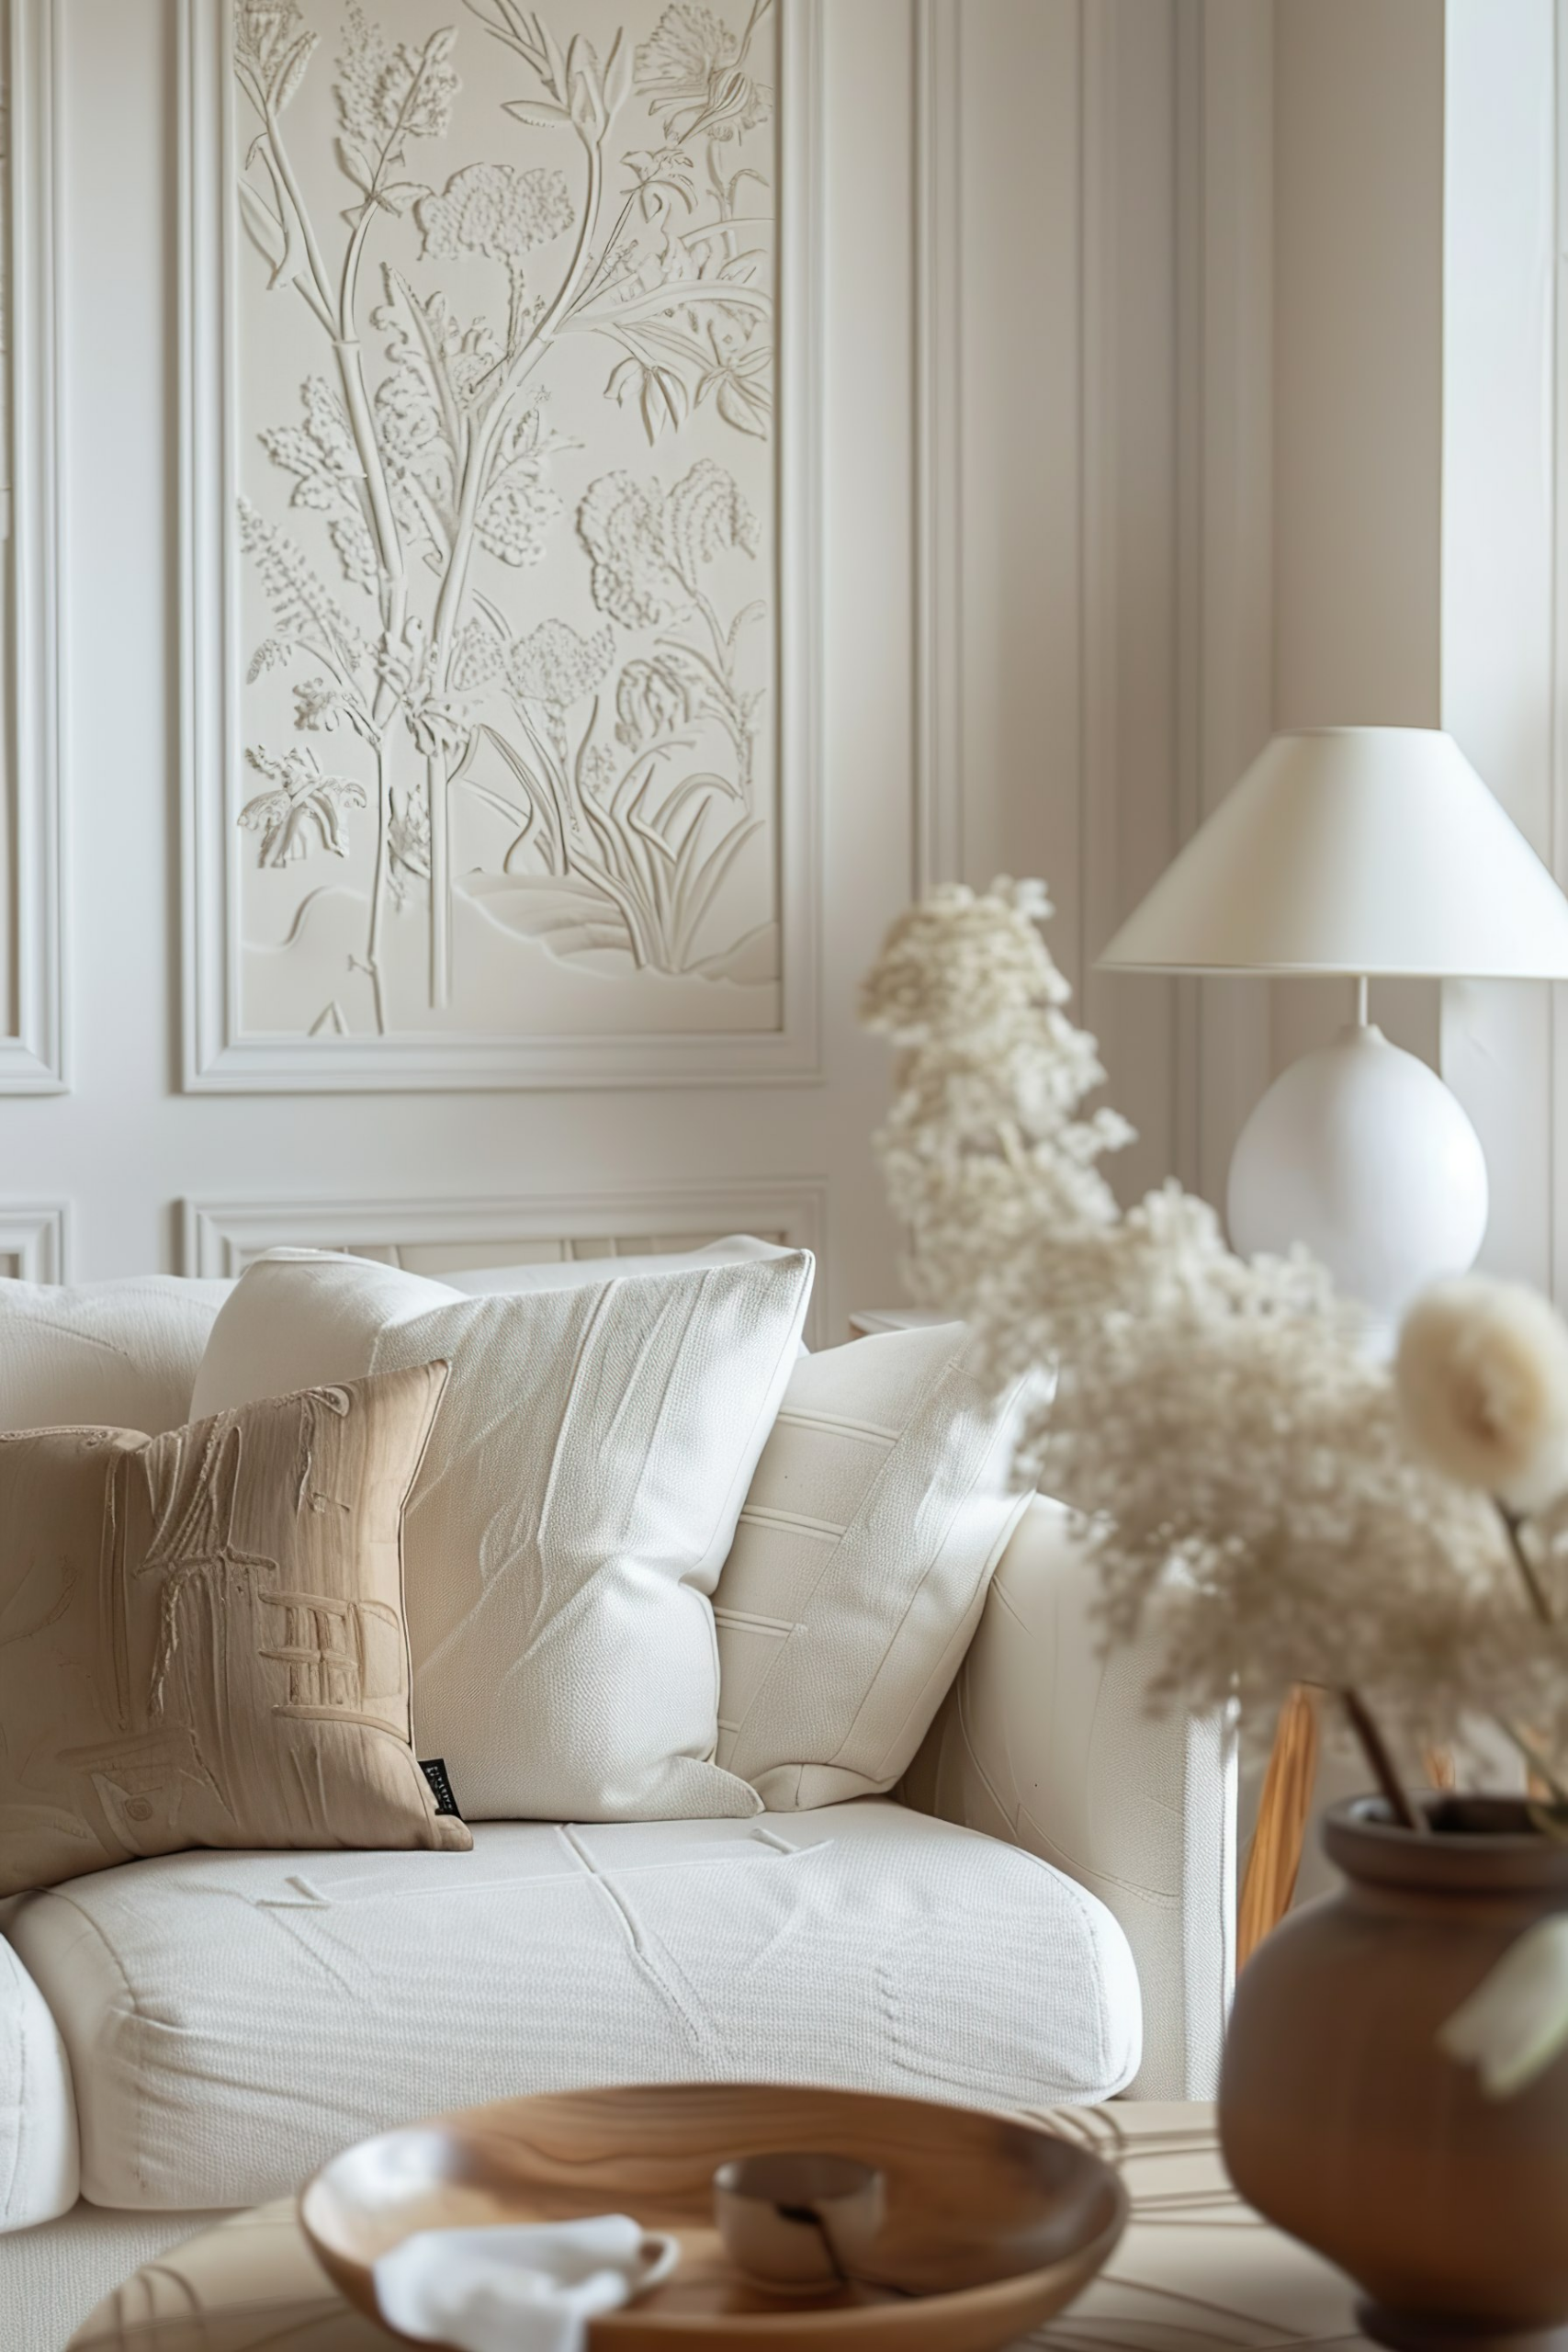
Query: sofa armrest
{"x": 1044, "y": 1742}
{"x": 38, "y": 2157}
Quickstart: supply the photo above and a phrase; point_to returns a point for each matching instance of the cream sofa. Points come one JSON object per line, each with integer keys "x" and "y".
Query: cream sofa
{"x": 1045, "y": 1915}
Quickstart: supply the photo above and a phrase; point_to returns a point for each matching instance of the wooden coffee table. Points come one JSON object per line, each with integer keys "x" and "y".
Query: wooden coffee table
{"x": 1196, "y": 2267}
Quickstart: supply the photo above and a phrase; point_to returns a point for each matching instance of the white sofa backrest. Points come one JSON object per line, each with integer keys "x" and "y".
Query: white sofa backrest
{"x": 116, "y": 1355}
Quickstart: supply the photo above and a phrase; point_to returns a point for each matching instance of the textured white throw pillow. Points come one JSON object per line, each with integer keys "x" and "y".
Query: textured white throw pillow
{"x": 571, "y": 1273}
{"x": 879, "y": 1509}
{"x": 576, "y": 1502}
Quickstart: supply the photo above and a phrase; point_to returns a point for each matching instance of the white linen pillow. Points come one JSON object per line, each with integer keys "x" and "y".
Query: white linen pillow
{"x": 574, "y": 1508}
{"x": 859, "y": 1566}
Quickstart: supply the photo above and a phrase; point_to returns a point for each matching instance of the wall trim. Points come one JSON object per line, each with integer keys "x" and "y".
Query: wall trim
{"x": 1556, "y": 843}
{"x": 33, "y": 1057}
{"x": 216, "y": 1055}
{"x": 218, "y": 1235}
{"x": 939, "y": 446}
{"x": 37, "y": 1233}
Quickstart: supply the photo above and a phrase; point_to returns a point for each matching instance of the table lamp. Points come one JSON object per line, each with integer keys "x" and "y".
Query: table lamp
{"x": 1365, "y": 851}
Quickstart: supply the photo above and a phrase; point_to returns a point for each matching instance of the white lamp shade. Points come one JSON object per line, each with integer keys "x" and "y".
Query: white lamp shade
{"x": 1354, "y": 849}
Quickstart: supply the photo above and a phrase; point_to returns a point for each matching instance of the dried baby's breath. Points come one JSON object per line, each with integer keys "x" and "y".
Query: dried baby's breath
{"x": 1241, "y": 1466}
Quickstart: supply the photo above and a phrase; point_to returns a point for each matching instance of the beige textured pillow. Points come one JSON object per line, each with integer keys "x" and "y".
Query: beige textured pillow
{"x": 859, "y": 1568}
{"x": 202, "y": 1637}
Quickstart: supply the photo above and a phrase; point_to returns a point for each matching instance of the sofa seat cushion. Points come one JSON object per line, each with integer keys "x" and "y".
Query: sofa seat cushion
{"x": 39, "y": 2174}
{"x": 233, "y": 2020}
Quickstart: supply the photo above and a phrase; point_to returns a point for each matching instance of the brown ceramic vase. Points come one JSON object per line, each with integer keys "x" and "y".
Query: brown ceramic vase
{"x": 1345, "y": 2123}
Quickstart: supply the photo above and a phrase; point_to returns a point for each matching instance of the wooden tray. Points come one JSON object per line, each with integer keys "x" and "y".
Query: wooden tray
{"x": 992, "y": 2225}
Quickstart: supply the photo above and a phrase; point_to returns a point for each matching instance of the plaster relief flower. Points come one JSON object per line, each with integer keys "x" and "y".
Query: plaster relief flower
{"x": 384, "y": 95}
{"x": 1482, "y": 1374}
{"x": 555, "y": 666}
{"x": 271, "y": 38}
{"x": 497, "y": 210}
{"x": 692, "y": 72}
{"x": 648, "y": 544}
{"x": 1516, "y": 2022}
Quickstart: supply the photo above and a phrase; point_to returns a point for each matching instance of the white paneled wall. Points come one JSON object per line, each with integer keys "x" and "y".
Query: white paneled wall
{"x": 1088, "y": 279}
{"x": 126, "y": 1146}
{"x": 995, "y": 620}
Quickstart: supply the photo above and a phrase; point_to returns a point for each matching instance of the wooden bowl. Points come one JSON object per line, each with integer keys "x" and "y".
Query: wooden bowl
{"x": 991, "y": 2224}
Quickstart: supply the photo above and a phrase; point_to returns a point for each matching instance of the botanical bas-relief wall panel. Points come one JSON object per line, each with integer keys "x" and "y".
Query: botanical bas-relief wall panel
{"x": 495, "y": 788}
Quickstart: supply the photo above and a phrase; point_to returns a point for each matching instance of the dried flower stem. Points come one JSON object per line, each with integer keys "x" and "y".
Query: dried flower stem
{"x": 1539, "y": 1768}
{"x": 1513, "y": 1525}
{"x": 1374, "y": 1748}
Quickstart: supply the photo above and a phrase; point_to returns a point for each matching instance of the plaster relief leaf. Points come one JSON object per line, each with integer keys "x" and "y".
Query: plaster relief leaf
{"x": 652, "y": 698}
{"x": 537, "y": 112}
{"x": 292, "y": 71}
{"x": 320, "y": 707}
{"x": 272, "y": 653}
{"x": 354, "y": 164}
{"x": 301, "y": 802}
{"x": 303, "y": 605}
{"x": 738, "y": 382}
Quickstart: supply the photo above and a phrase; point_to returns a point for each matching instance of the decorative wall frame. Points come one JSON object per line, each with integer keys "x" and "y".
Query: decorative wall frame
{"x": 696, "y": 1014}
{"x": 32, "y": 832}
{"x": 33, "y": 1241}
{"x": 219, "y": 1238}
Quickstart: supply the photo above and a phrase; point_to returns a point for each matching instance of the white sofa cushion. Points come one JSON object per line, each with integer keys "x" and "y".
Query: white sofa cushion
{"x": 110, "y": 1355}
{"x": 575, "y": 1503}
{"x": 859, "y": 1566}
{"x": 38, "y": 2169}
{"x": 234, "y": 2019}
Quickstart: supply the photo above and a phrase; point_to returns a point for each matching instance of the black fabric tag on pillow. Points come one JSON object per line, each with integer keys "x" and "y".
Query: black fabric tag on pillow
{"x": 440, "y": 1786}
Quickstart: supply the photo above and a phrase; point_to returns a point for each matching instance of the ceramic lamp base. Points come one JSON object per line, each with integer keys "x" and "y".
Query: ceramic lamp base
{"x": 1359, "y": 1151}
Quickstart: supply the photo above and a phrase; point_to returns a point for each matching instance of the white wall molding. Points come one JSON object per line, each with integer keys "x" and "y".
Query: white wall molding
{"x": 34, "y": 1240}
{"x": 219, "y": 1236}
{"x": 220, "y": 1054}
{"x": 1224, "y": 519}
{"x": 939, "y": 446}
{"x": 33, "y": 1055}
{"x": 1556, "y": 851}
